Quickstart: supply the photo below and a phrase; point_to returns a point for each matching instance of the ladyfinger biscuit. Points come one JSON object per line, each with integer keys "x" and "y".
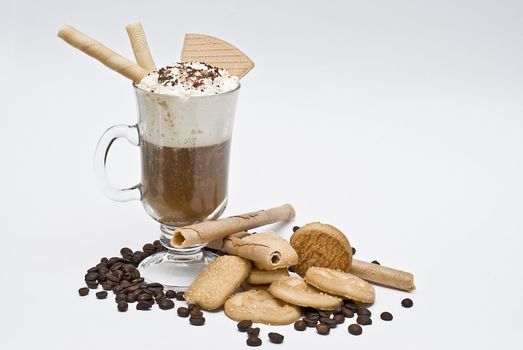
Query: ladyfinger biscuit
{"x": 340, "y": 283}
{"x": 261, "y": 306}
{"x": 215, "y": 283}
{"x": 266, "y": 277}
{"x": 296, "y": 291}
{"x": 321, "y": 245}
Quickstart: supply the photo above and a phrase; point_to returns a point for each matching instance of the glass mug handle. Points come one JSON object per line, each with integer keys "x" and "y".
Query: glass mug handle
{"x": 130, "y": 133}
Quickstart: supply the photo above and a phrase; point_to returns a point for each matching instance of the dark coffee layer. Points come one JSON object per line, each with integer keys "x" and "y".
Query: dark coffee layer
{"x": 183, "y": 185}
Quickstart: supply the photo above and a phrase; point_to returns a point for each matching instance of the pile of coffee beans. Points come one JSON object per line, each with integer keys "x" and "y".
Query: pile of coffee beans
{"x": 253, "y": 338}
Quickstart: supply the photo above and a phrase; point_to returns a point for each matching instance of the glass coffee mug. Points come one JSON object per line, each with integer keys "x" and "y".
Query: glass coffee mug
{"x": 185, "y": 146}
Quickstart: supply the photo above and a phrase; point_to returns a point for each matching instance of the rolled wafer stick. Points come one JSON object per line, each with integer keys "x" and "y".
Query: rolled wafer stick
{"x": 211, "y": 230}
{"x": 141, "y": 50}
{"x": 105, "y": 55}
{"x": 383, "y": 275}
{"x": 268, "y": 251}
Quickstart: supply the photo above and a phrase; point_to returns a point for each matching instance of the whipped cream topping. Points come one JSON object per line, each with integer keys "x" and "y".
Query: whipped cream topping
{"x": 189, "y": 79}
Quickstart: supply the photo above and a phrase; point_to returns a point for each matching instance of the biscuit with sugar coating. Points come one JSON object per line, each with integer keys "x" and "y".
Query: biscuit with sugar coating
{"x": 216, "y": 282}
{"x": 261, "y": 306}
{"x": 340, "y": 283}
{"x": 321, "y": 245}
{"x": 296, "y": 291}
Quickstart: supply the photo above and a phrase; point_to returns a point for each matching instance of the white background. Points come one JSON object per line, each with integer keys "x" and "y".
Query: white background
{"x": 400, "y": 122}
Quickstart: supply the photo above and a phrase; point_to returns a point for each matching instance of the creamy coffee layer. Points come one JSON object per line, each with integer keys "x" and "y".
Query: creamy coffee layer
{"x": 173, "y": 114}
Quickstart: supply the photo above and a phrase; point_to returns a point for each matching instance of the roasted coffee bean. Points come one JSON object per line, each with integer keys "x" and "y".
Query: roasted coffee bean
{"x": 329, "y": 322}
{"x": 91, "y": 276}
{"x": 364, "y": 320}
{"x": 300, "y": 325}
{"x": 159, "y": 295}
{"x": 352, "y": 306}
{"x": 113, "y": 278}
{"x": 157, "y": 244}
{"x": 275, "y": 338}
{"x": 126, "y": 253}
{"x": 295, "y": 228}
{"x": 323, "y": 329}
{"x": 118, "y": 274}
{"x": 348, "y": 312}
{"x": 127, "y": 276}
{"x": 92, "y": 269}
{"x": 324, "y": 313}
{"x": 101, "y": 295}
{"x": 244, "y": 325}
{"x": 113, "y": 260}
{"x": 83, "y": 291}
{"x": 253, "y": 331}
{"x": 386, "y": 316}
{"x": 254, "y": 341}
{"x": 375, "y": 262}
{"x": 122, "y": 306}
{"x": 309, "y": 322}
{"x": 197, "y": 320}
{"x": 143, "y": 305}
{"x": 355, "y": 329}
{"x": 407, "y": 302}
{"x": 183, "y": 312}
{"x": 104, "y": 260}
{"x": 313, "y": 316}
{"x": 131, "y": 298}
{"x": 180, "y": 296}
{"x": 144, "y": 297}
{"x": 166, "y": 304}
{"x": 339, "y": 319}
{"x": 92, "y": 285}
{"x": 135, "y": 274}
{"x": 149, "y": 249}
{"x": 116, "y": 266}
{"x": 146, "y": 290}
{"x": 121, "y": 297}
{"x": 137, "y": 258}
{"x": 171, "y": 294}
{"x": 353, "y": 250}
{"x": 137, "y": 280}
{"x": 364, "y": 312}
{"x": 102, "y": 278}
{"x": 108, "y": 285}
{"x": 196, "y": 312}
{"x": 128, "y": 267}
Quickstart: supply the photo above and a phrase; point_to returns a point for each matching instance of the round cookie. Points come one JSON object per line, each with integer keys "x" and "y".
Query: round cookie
{"x": 261, "y": 306}
{"x": 340, "y": 283}
{"x": 321, "y": 245}
{"x": 296, "y": 291}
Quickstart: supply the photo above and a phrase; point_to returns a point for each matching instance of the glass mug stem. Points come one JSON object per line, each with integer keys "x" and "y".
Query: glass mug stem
{"x": 131, "y": 134}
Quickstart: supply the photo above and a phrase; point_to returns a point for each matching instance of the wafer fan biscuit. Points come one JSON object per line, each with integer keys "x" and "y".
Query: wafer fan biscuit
{"x": 216, "y": 52}
{"x": 261, "y": 306}
{"x": 321, "y": 245}
{"x": 340, "y": 283}
{"x": 296, "y": 291}
{"x": 266, "y": 277}
{"x": 215, "y": 283}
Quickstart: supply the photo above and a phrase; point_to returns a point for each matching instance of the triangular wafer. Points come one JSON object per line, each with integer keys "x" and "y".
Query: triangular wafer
{"x": 216, "y": 52}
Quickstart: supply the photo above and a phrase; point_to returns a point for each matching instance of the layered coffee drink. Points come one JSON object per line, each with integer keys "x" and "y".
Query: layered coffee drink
{"x": 185, "y": 123}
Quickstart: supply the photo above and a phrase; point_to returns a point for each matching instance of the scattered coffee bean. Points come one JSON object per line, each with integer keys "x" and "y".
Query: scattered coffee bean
{"x": 386, "y": 316}
{"x": 131, "y": 298}
{"x": 197, "y": 320}
{"x": 364, "y": 312}
{"x": 92, "y": 284}
{"x": 323, "y": 329}
{"x": 171, "y": 294}
{"x": 375, "y": 262}
{"x": 121, "y": 297}
{"x": 407, "y": 302}
{"x": 180, "y": 296}
{"x": 329, "y": 322}
{"x": 325, "y": 313}
{"x": 91, "y": 276}
{"x": 253, "y": 331}
{"x": 339, "y": 319}
{"x": 348, "y": 313}
{"x": 144, "y": 297}
{"x": 166, "y": 304}
{"x": 143, "y": 305}
{"x": 309, "y": 322}
{"x": 101, "y": 295}
{"x": 355, "y": 329}
{"x": 254, "y": 341}
{"x": 123, "y": 306}
{"x": 83, "y": 291}
{"x": 364, "y": 320}
{"x": 295, "y": 228}
{"x": 183, "y": 312}
{"x": 300, "y": 325}
{"x": 196, "y": 312}
{"x": 149, "y": 248}
{"x": 275, "y": 338}
{"x": 244, "y": 325}
{"x": 353, "y": 250}
{"x": 126, "y": 253}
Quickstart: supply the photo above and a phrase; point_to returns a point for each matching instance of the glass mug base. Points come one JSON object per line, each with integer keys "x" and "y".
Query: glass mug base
{"x": 176, "y": 268}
